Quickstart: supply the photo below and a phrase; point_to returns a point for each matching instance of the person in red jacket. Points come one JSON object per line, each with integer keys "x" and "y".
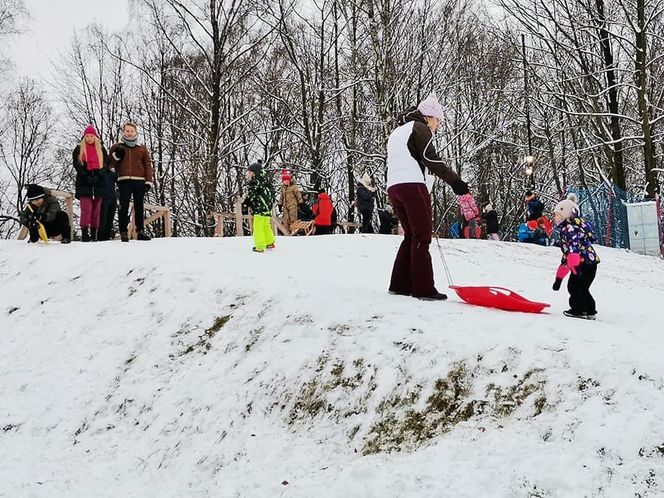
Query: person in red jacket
{"x": 323, "y": 210}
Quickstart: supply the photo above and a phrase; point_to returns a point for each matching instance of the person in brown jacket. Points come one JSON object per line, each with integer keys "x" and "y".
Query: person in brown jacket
{"x": 133, "y": 167}
{"x": 291, "y": 198}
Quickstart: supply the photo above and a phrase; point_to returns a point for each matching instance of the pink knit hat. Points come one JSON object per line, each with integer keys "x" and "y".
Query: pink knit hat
{"x": 431, "y": 107}
{"x": 90, "y": 130}
{"x": 285, "y": 176}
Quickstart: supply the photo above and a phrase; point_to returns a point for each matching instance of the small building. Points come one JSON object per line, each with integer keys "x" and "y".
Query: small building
{"x": 644, "y": 235}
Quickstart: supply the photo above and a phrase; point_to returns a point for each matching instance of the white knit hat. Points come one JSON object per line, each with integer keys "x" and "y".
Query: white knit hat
{"x": 566, "y": 208}
{"x": 431, "y": 107}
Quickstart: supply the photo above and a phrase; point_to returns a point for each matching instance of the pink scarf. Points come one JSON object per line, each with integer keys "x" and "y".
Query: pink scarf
{"x": 91, "y": 157}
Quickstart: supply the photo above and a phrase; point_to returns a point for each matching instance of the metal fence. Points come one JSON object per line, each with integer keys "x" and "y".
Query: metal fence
{"x": 604, "y": 206}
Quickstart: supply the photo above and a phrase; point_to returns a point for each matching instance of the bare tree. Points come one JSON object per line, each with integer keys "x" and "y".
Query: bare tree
{"x": 12, "y": 14}
{"x": 27, "y": 124}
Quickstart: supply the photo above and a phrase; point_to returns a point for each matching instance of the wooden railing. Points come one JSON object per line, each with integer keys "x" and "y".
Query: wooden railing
{"x": 220, "y": 217}
{"x": 347, "y": 226}
{"x": 159, "y": 212}
{"x": 302, "y": 227}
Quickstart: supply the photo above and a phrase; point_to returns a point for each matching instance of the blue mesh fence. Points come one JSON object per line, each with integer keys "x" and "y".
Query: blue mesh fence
{"x": 604, "y": 207}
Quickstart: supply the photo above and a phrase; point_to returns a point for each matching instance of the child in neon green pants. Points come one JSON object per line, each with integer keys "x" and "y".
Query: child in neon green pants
{"x": 260, "y": 198}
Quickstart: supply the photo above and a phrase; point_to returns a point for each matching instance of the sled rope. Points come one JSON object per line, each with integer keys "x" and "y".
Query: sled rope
{"x": 442, "y": 258}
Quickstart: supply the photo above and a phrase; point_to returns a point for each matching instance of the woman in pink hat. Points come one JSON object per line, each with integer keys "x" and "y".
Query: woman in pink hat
{"x": 411, "y": 159}
{"x": 91, "y": 163}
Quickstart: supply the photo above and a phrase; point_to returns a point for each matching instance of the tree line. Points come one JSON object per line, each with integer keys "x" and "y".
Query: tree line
{"x": 315, "y": 87}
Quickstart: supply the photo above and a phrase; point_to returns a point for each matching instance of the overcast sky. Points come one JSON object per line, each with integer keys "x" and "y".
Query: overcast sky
{"x": 52, "y": 26}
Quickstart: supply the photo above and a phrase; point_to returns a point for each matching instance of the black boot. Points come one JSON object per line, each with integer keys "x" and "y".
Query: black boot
{"x": 438, "y": 296}
{"x": 124, "y": 236}
{"x": 85, "y": 235}
{"x": 93, "y": 234}
{"x": 142, "y": 236}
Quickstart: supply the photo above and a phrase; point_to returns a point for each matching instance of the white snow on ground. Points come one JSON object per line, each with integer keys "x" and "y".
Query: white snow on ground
{"x": 194, "y": 367}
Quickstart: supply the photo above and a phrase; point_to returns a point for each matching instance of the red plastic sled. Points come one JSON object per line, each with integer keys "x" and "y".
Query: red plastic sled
{"x": 497, "y": 297}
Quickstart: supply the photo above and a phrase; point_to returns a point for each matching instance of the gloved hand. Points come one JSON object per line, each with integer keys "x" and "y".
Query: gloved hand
{"x": 468, "y": 206}
{"x": 147, "y": 187}
{"x": 561, "y": 273}
{"x": 573, "y": 261}
{"x": 118, "y": 154}
{"x": 89, "y": 180}
{"x": 36, "y": 216}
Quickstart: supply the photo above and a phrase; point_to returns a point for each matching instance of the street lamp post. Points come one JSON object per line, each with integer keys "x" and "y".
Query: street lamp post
{"x": 528, "y": 169}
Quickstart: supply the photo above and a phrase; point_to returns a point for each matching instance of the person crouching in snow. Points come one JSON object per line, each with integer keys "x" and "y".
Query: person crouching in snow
{"x": 44, "y": 209}
{"x": 410, "y": 152}
{"x": 260, "y": 199}
{"x": 579, "y": 258}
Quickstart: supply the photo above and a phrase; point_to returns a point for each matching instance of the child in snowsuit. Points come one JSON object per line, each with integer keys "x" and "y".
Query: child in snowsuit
{"x": 579, "y": 258}
{"x": 260, "y": 199}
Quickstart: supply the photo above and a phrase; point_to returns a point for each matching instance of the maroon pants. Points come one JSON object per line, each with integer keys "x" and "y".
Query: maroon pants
{"x": 412, "y": 272}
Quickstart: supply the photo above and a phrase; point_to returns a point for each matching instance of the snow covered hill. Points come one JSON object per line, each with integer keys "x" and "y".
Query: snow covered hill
{"x": 194, "y": 367}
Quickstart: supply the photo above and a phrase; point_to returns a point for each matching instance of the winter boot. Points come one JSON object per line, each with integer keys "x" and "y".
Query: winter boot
{"x": 271, "y": 246}
{"x": 124, "y": 236}
{"x": 85, "y": 235}
{"x": 142, "y": 236}
{"x": 94, "y": 233}
{"x": 257, "y": 250}
{"x": 573, "y": 314}
{"x": 438, "y": 296}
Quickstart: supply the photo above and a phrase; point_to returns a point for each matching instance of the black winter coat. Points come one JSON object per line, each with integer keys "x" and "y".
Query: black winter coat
{"x": 491, "y": 219}
{"x": 90, "y": 183}
{"x": 365, "y": 198}
{"x": 535, "y": 209}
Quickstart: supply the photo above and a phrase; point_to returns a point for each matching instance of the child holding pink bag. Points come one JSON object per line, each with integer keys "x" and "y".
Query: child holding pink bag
{"x": 579, "y": 258}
